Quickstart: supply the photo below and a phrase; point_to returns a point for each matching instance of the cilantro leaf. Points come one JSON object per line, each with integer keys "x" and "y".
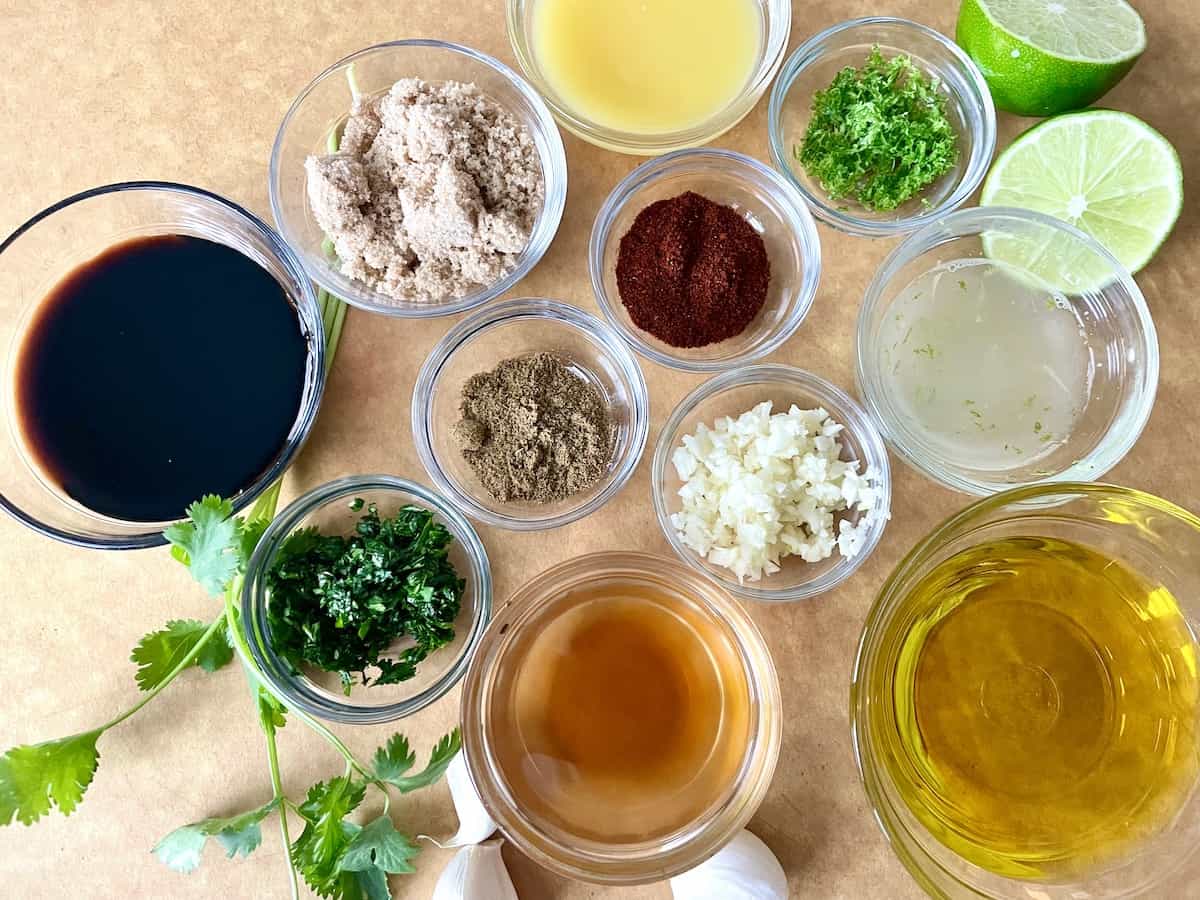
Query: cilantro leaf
{"x": 379, "y": 845}
{"x": 209, "y": 543}
{"x": 439, "y": 760}
{"x": 158, "y": 652}
{"x": 393, "y": 759}
{"x": 240, "y": 834}
{"x": 316, "y": 852}
{"x": 35, "y": 776}
{"x": 372, "y": 882}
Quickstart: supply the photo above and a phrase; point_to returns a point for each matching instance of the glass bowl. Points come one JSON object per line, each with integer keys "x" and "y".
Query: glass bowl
{"x": 1156, "y": 539}
{"x": 1114, "y": 319}
{"x": 776, "y": 23}
{"x": 36, "y": 257}
{"x": 323, "y": 107}
{"x": 516, "y": 328}
{"x": 320, "y": 693}
{"x": 584, "y": 858}
{"x": 812, "y": 68}
{"x": 765, "y": 200}
{"x": 733, "y": 393}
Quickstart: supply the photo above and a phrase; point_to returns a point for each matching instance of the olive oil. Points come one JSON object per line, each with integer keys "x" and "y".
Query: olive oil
{"x": 1045, "y": 710}
{"x": 625, "y": 715}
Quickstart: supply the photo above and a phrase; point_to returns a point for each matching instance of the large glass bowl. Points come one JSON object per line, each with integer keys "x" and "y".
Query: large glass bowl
{"x": 1153, "y": 537}
{"x": 323, "y": 107}
{"x": 55, "y": 242}
{"x": 328, "y": 508}
{"x": 813, "y": 66}
{"x": 484, "y": 699}
{"x": 776, "y": 19}
{"x": 1115, "y": 322}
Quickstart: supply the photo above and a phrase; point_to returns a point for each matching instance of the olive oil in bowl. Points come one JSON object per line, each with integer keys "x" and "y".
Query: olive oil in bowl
{"x": 1044, "y": 715}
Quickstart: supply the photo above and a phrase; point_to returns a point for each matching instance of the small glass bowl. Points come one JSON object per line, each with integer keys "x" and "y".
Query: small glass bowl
{"x": 813, "y": 66}
{"x": 776, "y": 19}
{"x": 587, "y": 859}
{"x": 764, "y": 199}
{"x": 323, "y": 107}
{"x": 36, "y": 257}
{"x": 320, "y": 693}
{"x": 733, "y": 393}
{"x": 517, "y": 328}
{"x": 1119, "y": 330}
{"x": 1156, "y": 539}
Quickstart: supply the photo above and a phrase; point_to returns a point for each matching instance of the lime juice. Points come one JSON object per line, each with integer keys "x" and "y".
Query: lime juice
{"x": 987, "y": 365}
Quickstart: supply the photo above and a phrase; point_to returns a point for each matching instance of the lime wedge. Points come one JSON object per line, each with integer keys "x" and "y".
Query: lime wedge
{"x": 1108, "y": 173}
{"x": 1042, "y": 57}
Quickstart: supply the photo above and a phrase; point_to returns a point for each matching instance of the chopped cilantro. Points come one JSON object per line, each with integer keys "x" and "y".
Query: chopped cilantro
{"x": 879, "y": 134}
{"x": 340, "y": 602}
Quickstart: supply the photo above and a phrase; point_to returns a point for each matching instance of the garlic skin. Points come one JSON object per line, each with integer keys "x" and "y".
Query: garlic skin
{"x": 745, "y": 869}
{"x": 474, "y": 824}
{"x": 476, "y": 873}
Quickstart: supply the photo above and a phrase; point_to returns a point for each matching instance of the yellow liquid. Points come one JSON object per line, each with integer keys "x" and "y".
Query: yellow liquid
{"x": 646, "y": 66}
{"x": 1045, "y": 708}
{"x": 624, "y": 714}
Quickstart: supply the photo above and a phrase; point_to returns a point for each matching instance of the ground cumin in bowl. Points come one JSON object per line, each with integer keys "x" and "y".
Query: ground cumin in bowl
{"x": 530, "y": 414}
{"x": 704, "y": 260}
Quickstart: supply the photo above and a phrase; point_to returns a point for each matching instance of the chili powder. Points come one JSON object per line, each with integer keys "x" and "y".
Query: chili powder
{"x": 692, "y": 272}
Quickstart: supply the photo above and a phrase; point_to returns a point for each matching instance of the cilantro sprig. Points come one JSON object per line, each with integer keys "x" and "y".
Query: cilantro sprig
{"x": 878, "y": 134}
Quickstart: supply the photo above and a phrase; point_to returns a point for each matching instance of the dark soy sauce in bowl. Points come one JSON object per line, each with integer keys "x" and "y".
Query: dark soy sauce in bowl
{"x": 131, "y": 395}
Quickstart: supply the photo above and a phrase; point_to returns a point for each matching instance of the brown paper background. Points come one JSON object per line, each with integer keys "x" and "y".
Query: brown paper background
{"x": 107, "y": 91}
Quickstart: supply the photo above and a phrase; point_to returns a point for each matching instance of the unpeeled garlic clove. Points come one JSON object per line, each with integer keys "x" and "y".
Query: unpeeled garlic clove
{"x": 474, "y": 823}
{"x": 745, "y": 869}
{"x": 476, "y": 873}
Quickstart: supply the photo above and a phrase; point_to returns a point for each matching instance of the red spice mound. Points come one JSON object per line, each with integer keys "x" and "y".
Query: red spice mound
{"x": 692, "y": 272}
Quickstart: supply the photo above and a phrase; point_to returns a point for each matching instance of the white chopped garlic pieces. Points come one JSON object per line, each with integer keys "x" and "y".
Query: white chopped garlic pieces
{"x": 765, "y": 486}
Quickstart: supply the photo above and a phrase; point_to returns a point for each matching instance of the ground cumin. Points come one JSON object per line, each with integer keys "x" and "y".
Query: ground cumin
{"x": 692, "y": 272}
{"x": 534, "y": 431}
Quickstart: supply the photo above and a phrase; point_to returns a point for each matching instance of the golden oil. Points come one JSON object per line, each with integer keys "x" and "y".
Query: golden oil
{"x": 1044, "y": 715}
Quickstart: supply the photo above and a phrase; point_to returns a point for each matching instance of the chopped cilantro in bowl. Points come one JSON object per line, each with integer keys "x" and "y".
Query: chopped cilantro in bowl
{"x": 366, "y": 599}
{"x": 879, "y": 134}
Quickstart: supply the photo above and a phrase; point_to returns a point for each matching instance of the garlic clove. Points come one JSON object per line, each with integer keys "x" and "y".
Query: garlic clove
{"x": 476, "y": 873}
{"x": 745, "y": 869}
{"x": 474, "y": 823}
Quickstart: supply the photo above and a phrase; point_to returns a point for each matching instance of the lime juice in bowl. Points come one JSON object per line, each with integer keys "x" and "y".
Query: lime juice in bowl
{"x": 985, "y": 375}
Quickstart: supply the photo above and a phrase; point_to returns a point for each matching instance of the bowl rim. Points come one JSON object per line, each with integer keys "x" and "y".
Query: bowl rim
{"x": 554, "y": 174}
{"x": 920, "y": 865}
{"x": 493, "y": 316}
{"x": 305, "y": 416}
{"x": 293, "y": 690}
{"x": 983, "y": 130}
{"x": 593, "y": 861}
{"x": 802, "y": 233}
{"x": 778, "y": 25}
{"x": 1094, "y": 465}
{"x": 850, "y": 414}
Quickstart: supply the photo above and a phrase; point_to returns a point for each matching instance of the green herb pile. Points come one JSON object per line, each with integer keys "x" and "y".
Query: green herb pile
{"x": 339, "y": 603}
{"x": 879, "y": 134}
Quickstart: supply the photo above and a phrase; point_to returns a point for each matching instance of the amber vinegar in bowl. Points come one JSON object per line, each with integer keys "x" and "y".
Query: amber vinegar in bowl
{"x": 621, "y": 718}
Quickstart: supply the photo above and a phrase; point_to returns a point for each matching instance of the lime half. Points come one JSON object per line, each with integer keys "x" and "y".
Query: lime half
{"x": 1107, "y": 173}
{"x": 1042, "y": 57}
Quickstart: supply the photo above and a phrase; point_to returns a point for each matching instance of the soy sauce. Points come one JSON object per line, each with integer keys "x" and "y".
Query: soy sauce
{"x": 166, "y": 368}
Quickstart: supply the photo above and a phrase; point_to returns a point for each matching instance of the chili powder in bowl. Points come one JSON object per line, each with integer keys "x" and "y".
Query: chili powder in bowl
{"x": 704, "y": 260}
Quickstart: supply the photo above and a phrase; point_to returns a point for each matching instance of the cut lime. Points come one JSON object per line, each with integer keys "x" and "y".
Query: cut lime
{"x": 1042, "y": 57}
{"x": 1107, "y": 173}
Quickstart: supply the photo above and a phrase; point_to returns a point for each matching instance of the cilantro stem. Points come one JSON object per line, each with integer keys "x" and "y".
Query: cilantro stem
{"x": 179, "y": 667}
{"x": 277, "y": 786}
